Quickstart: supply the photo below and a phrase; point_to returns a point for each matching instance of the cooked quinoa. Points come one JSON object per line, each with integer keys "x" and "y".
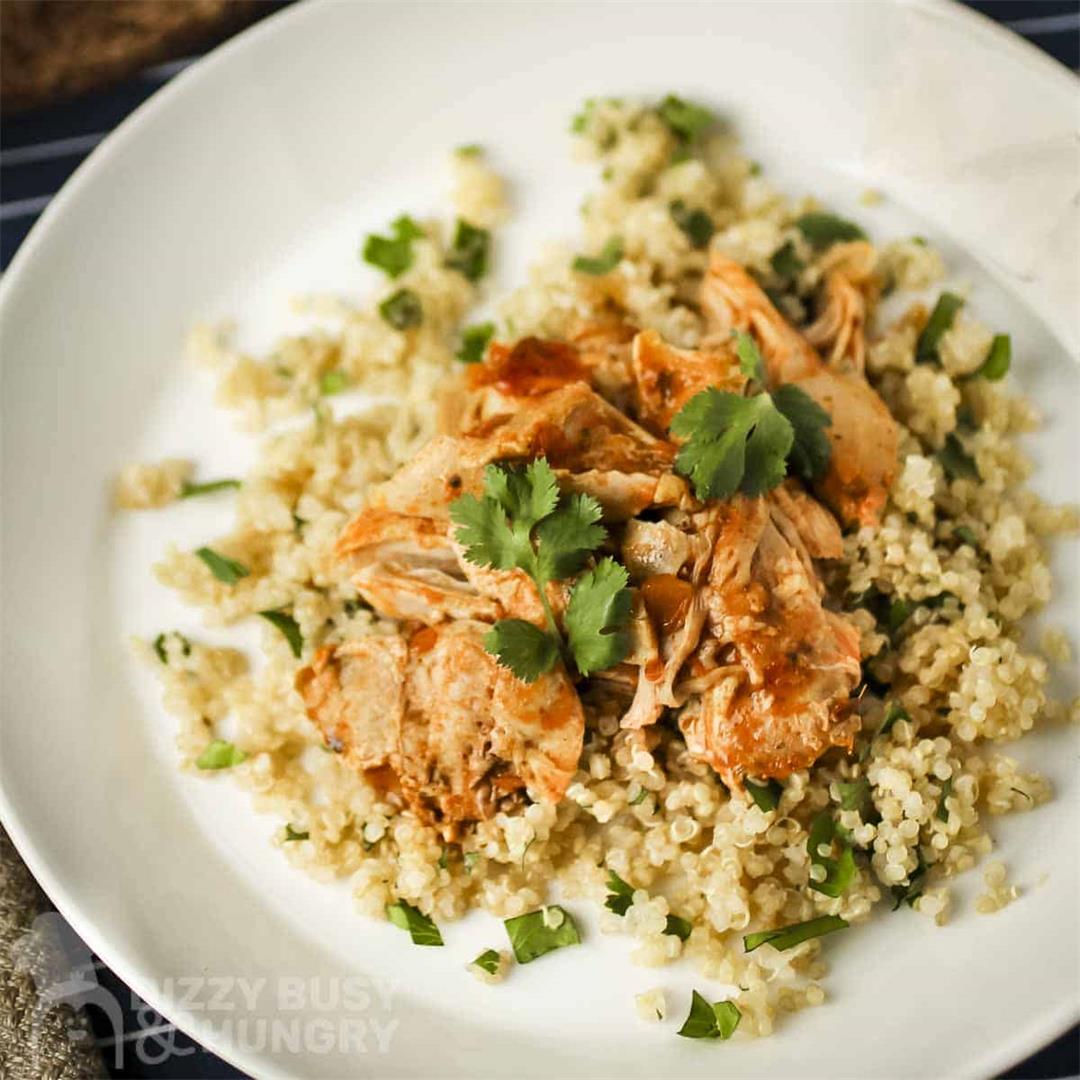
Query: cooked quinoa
{"x": 964, "y": 557}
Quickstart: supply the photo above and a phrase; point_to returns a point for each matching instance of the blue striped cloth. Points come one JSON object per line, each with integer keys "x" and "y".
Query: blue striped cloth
{"x": 38, "y": 152}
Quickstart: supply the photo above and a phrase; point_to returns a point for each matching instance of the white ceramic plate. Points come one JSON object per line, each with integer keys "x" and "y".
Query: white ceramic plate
{"x": 254, "y": 175}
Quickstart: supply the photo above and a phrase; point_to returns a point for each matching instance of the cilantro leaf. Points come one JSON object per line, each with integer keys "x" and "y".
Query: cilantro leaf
{"x": 909, "y": 893}
{"x": 956, "y": 461}
{"x": 785, "y": 263}
{"x": 402, "y": 310}
{"x": 486, "y": 535}
{"x": 766, "y": 796}
{"x": 942, "y": 812}
{"x": 811, "y": 449}
{"x": 474, "y": 342}
{"x": 678, "y": 927}
{"x": 733, "y": 443}
{"x": 332, "y": 382}
{"x": 854, "y": 794}
{"x": 750, "y": 362}
{"x": 839, "y": 872}
{"x": 527, "y": 495}
{"x": 469, "y": 253}
{"x": 705, "y": 1021}
{"x": 684, "y": 120}
{"x": 539, "y": 932}
{"x": 489, "y": 960}
{"x": 422, "y": 929}
{"x": 620, "y": 894}
{"x": 696, "y": 224}
{"x": 604, "y": 262}
{"x": 567, "y": 535}
{"x": 788, "y": 937}
{"x": 220, "y": 754}
{"x": 522, "y": 647}
{"x": 998, "y": 359}
{"x": 941, "y": 318}
{"x": 596, "y": 617}
{"x": 228, "y": 571}
{"x": 393, "y": 254}
{"x": 289, "y": 627}
{"x": 188, "y": 489}
{"x": 159, "y": 644}
{"x": 292, "y": 834}
{"x": 824, "y": 230}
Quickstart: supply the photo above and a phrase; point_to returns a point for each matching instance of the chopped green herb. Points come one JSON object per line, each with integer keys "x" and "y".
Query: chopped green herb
{"x": 474, "y": 342}
{"x": 540, "y": 932}
{"x": 469, "y": 860}
{"x": 854, "y": 794}
{"x": 597, "y": 616}
{"x": 620, "y": 894}
{"x": 839, "y": 871}
{"x": 696, "y": 224}
{"x": 998, "y": 359}
{"x": 750, "y": 361}
{"x": 332, "y": 382}
{"x": 811, "y": 450}
{"x": 685, "y": 120}
{"x": 899, "y": 613}
{"x": 766, "y": 796}
{"x": 893, "y": 714}
{"x": 941, "y": 318}
{"x": 189, "y": 490}
{"x": 785, "y": 262}
{"x": 909, "y": 893}
{"x": 640, "y": 797}
{"x": 705, "y": 1021}
{"x": 289, "y": 627}
{"x": 678, "y": 927}
{"x": 402, "y": 310}
{"x": 162, "y": 652}
{"x": 956, "y": 461}
{"x": 920, "y": 240}
{"x": 601, "y": 264}
{"x": 444, "y": 858}
{"x": 942, "y": 812}
{"x": 824, "y": 230}
{"x": 422, "y": 929}
{"x": 580, "y": 121}
{"x": 393, "y": 254}
{"x": 755, "y": 168}
{"x": 522, "y": 647}
{"x": 469, "y": 253}
{"x": 789, "y": 936}
{"x": 295, "y": 834}
{"x": 220, "y": 754}
{"x": 225, "y": 570}
{"x": 470, "y": 150}
{"x": 966, "y": 535}
{"x": 489, "y": 960}
{"x": 732, "y": 443}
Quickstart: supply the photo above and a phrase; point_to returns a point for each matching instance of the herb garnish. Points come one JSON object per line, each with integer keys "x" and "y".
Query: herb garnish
{"x": 687, "y": 122}
{"x": 785, "y": 262}
{"x": 604, "y": 262}
{"x": 540, "y": 932}
{"x": 824, "y": 230}
{"x": 332, "y": 382}
{"x": 469, "y": 253}
{"x": 402, "y": 310}
{"x": 705, "y": 1021}
{"x": 956, "y": 461}
{"x": 678, "y": 927}
{"x": 789, "y": 936}
{"x": 159, "y": 644}
{"x": 839, "y": 871}
{"x": 766, "y": 796}
{"x": 810, "y": 451}
{"x": 966, "y": 535}
{"x": 941, "y": 318}
{"x": 620, "y": 894}
{"x": 474, "y": 342}
{"x": 998, "y": 359}
{"x": 942, "y": 812}
{"x": 854, "y": 794}
{"x": 225, "y": 570}
{"x": 422, "y": 929}
{"x": 489, "y": 960}
{"x": 521, "y": 522}
{"x": 909, "y": 893}
{"x": 696, "y": 224}
{"x": 220, "y": 754}
{"x": 289, "y": 627}
{"x": 189, "y": 490}
{"x": 295, "y": 834}
{"x": 393, "y": 254}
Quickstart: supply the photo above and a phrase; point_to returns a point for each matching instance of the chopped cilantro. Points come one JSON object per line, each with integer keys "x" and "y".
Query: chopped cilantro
{"x": 687, "y": 122}
{"x": 228, "y": 571}
{"x": 189, "y": 490}
{"x": 522, "y": 647}
{"x": 160, "y": 649}
{"x": 941, "y": 318}
{"x": 705, "y": 1021}
{"x": 474, "y": 342}
{"x": 422, "y": 929}
{"x": 620, "y": 894}
{"x": 601, "y": 264}
{"x": 489, "y": 960}
{"x": 909, "y": 893}
{"x": 292, "y": 834}
{"x": 750, "y": 362}
{"x": 785, "y": 262}
{"x": 402, "y": 310}
{"x": 966, "y": 535}
{"x": 854, "y": 794}
{"x": 789, "y": 936}
{"x": 678, "y": 927}
{"x": 393, "y": 254}
{"x": 839, "y": 871}
{"x": 332, "y": 382}
{"x": 811, "y": 450}
{"x": 539, "y": 932}
{"x": 289, "y": 627}
{"x": 696, "y": 224}
{"x": 766, "y": 796}
{"x": 942, "y": 812}
{"x": 469, "y": 253}
{"x": 220, "y": 754}
{"x": 596, "y": 617}
{"x": 470, "y": 150}
{"x": 956, "y": 461}
{"x": 824, "y": 230}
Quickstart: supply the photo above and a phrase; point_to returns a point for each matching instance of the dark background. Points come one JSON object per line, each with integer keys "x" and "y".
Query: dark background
{"x": 40, "y": 149}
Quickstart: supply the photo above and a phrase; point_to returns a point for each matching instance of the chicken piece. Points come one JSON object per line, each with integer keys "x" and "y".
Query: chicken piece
{"x": 623, "y": 496}
{"x": 355, "y": 694}
{"x": 799, "y": 662}
{"x": 851, "y": 287}
{"x": 458, "y": 732}
{"x": 408, "y": 568}
{"x": 863, "y": 434}
{"x": 667, "y": 377}
{"x": 604, "y": 351}
{"x": 653, "y": 547}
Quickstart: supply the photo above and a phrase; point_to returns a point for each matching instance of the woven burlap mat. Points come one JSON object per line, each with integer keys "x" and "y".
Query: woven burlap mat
{"x": 41, "y": 1034}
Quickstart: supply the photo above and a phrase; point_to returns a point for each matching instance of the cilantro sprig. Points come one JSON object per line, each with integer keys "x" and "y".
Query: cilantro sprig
{"x": 521, "y": 522}
{"x": 746, "y": 444}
